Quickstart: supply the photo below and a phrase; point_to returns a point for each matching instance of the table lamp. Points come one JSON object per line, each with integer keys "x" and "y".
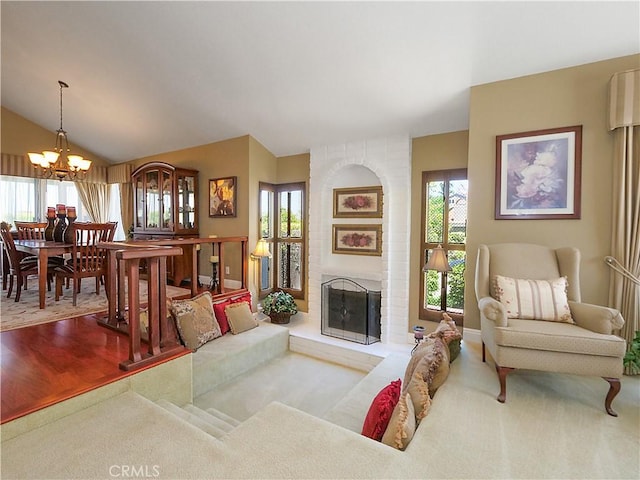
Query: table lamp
{"x": 438, "y": 262}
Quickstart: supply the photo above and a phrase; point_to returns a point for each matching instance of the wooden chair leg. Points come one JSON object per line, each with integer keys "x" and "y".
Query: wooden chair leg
{"x": 484, "y": 358}
{"x": 75, "y": 290}
{"x": 502, "y": 375}
{"x": 19, "y": 287}
{"x": 614, "y": 388}
{"x": 10, "y": 286}
{"x": 58, "y": 288}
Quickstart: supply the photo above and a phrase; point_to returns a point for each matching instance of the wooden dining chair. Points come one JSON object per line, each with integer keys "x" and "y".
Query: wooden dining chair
{"x": 87, "y": 259}
{"x": 35, "y": 231}
{"x": 31, "y": 230}
{"x": 20, "y": 268}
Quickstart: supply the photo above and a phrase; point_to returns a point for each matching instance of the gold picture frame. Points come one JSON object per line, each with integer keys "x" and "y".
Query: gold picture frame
{"x": 357, "y": 239}
{"x": 357, "y": 202}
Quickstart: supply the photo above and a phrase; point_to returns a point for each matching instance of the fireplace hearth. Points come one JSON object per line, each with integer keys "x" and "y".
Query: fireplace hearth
{"x": 350, "y": 311}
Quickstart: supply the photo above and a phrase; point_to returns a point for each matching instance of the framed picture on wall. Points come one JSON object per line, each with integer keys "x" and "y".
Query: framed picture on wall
{"x": 357, "y": 202}
{"x": 222, "y": 197}
{"x": 357, "y": 239}
{"x": 538, "y": 174}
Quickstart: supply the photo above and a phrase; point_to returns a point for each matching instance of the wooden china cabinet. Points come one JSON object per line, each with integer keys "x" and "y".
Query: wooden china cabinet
{"x": 165, "y": 200}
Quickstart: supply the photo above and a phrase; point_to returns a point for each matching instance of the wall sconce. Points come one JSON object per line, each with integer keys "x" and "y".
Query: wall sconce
{"x": 438, "y": 262}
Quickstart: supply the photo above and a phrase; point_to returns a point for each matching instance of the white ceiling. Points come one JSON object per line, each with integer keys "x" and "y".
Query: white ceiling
{"x": 150, "y": 77}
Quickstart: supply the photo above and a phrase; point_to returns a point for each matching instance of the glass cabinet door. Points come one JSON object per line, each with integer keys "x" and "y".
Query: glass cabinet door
{"x": 186, "y": 197}
{"x": 152, "y": 200}
{"x": 139, "y": 194}
{"x": 167, "y": 213}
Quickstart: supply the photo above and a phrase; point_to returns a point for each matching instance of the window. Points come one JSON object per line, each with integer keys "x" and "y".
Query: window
{"x": 284, "y": 231}
{"x": 18, "y": 199}
{"x": 444, "y": 222}
{"x": 26, "y": 200}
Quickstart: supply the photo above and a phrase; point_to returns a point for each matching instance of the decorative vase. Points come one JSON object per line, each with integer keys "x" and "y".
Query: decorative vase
{"x": 68, "y": 232}
{"x": 61, "y": 226}
{"x": 51, "y": 225}
{"x": 280, "y": 318}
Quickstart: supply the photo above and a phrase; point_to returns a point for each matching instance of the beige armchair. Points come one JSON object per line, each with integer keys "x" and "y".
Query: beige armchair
{"x": 580, "y": 345}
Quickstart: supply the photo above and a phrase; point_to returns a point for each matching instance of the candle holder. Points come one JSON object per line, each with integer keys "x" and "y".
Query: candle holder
{"x": 51, "y": 223}
{"x": 68, "y": 232}
{"x": 418, "y": 335}
{"x": 61, "y": 226}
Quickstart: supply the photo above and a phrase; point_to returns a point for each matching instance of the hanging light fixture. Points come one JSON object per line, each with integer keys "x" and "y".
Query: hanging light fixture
{"x": 51, "y": 164}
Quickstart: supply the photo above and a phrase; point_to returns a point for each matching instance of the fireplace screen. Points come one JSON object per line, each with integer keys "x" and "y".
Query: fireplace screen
{"x": 350, "y": 311}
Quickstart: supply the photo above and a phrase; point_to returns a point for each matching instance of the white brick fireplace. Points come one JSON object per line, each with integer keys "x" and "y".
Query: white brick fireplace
{"x": 385, "y": 162}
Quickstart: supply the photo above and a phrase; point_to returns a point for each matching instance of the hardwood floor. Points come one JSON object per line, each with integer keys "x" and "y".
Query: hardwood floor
{"x": 45, "y": 364}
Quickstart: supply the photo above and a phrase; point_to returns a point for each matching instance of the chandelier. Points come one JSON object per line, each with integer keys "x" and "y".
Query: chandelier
{"x": 50, "y": 163}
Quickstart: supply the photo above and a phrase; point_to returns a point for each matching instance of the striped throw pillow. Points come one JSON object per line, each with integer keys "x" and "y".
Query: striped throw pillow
{"x": 533, "y": 299}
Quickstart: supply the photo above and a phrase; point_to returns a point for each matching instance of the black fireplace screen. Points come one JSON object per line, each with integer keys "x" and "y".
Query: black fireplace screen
{"x": 350, "y": 311}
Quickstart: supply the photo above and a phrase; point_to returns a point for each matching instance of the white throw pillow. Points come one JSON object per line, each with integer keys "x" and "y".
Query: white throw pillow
{"x": 533, "y": 299}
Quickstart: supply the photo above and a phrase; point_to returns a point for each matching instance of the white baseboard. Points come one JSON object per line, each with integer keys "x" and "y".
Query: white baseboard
{"x": 230, "y": 284}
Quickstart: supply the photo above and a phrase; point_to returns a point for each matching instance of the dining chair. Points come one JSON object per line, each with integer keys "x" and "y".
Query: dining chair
{"x": 35, "y": 231}
{"x": 20, "y": 268}
{"x": 87, "y": 259}
{"x": 31, "y": 230}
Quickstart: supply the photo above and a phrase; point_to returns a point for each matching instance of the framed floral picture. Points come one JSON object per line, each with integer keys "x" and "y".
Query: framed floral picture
{"x": 357, "y": 239}
{"x": 538, "y": 174}
{"x": 357, "y": 202}
{"x": 222, "y": 197}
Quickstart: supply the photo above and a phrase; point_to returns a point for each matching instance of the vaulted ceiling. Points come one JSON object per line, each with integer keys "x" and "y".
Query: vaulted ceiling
{"x": 150, "y": 77}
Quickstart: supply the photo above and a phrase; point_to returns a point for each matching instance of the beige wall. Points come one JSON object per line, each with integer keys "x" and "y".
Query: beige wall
{"x": 571, "y": 96}
{"x": 216, "y": 160}
{"x": 433, "y": 152}
{"x": 20, "y": 136}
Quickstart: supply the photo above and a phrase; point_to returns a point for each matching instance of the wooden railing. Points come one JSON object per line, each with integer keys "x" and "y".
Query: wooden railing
{"x": 124, "y": 269}
{"x": 193, "y": 243}
{"x": 123, "y": 292}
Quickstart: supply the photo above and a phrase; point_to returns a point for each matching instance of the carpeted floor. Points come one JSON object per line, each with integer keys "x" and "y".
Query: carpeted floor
{"x": 27, "y": 312}
{"x": 302, "y": 382}
{"x": 552, "y": 426}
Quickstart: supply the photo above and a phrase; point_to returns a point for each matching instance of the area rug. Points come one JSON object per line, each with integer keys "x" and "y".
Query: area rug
{"x": 26, "y": 312}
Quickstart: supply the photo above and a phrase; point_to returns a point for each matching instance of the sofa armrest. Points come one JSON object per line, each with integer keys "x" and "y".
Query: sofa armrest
{"x": 596, "y": 318}
{"x": 493, "y": 310}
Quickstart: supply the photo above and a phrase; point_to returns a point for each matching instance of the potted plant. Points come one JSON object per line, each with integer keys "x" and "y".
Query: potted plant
{"x": 279, "y": 305}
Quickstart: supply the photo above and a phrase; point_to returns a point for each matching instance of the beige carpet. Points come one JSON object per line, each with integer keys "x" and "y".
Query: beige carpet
{"x": 552, "y": 426}
{"x": 27, "y": 312}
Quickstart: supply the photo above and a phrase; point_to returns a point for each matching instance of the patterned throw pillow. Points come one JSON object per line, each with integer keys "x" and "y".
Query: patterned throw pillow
{"x": 431, "y": 358}
{"x": 533, "y": 299}
{"x": 434, "y": 366}
{"x": 402, "y": 425}
{"x": 196, "y": 322}
{"x": 418, "y": 389}
{"x": 380, "y": 411}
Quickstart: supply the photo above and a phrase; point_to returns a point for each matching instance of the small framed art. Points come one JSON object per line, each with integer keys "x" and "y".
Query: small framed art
{"x": 365, "y": 202}
{"x": 222, "y": 197}
{"x": 357, "y": 239}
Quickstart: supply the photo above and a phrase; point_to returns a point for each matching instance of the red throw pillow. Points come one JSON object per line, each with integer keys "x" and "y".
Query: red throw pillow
{"x": 379, "y": 414}
{"x": 221, "y": 316}
{"x": 243, "y": 298}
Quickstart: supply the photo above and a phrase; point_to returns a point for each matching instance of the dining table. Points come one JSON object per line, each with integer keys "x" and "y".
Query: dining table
{"x": 43, "y": 249}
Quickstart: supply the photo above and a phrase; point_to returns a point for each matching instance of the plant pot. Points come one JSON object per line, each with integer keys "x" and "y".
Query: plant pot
{"x": 280, "y": 318}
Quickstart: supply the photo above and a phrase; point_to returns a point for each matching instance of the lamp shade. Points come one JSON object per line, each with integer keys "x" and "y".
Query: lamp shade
{"x": 437, "y": 261}
{"x": 262, "y": 249}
